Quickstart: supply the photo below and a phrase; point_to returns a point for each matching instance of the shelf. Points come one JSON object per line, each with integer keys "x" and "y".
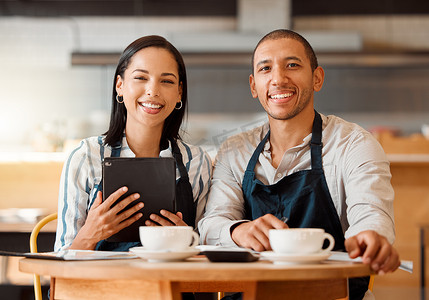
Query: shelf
{"x": 343, "y": 59}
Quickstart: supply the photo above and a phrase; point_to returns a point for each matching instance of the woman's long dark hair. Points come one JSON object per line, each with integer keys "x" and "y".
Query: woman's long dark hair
{"x": 118, "y": 115}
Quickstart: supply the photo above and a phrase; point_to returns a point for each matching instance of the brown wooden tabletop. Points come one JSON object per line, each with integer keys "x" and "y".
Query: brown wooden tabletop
{"x": 138, "y": 279}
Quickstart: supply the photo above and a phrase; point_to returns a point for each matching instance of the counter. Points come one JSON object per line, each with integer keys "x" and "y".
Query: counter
{"x": 30, "y": 181}
{"x": 410, "y": 180}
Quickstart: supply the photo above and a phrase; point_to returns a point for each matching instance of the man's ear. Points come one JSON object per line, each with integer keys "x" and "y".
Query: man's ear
{"x": 252, "y": 86}
{"x": 318, "y": 78}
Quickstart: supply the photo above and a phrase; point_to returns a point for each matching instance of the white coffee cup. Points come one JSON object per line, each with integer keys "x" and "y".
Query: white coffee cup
{"x": 168, "y": 238}
{"x": 300, "y": 240}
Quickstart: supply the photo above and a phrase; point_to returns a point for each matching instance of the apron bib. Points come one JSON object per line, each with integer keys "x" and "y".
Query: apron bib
{"x": 303, "y": 197}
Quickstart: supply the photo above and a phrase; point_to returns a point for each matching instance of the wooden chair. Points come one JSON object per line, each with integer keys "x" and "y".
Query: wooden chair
{"x": 371, "y": 282}
{"x": 33, "y": 249}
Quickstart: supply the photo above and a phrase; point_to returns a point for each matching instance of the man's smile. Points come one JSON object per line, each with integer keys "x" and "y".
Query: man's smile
{"x": 281, "y": 96}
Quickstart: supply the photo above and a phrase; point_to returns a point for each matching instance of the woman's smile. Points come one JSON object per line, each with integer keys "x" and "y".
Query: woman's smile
{"x": 151, "y": 107}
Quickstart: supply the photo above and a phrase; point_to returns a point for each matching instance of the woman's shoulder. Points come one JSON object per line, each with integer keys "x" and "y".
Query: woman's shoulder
{"x": 88, "y": 148}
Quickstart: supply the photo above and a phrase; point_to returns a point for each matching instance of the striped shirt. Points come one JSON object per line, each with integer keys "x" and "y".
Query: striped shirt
{"x": 82, "y": 173}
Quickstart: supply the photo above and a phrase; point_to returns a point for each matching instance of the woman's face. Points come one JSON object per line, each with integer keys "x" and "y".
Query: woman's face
{"x": 150, "y": 88}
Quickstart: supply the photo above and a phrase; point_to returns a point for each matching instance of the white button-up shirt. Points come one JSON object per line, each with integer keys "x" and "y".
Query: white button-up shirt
{"x": 356, "y": 169}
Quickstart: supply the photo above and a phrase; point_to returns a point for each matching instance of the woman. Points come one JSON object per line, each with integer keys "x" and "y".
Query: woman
{"x": 148, "y": 105}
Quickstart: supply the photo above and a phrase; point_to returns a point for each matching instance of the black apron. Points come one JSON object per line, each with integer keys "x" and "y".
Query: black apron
{"x": 303, "y": 197}
{"x": 184, "y": 199}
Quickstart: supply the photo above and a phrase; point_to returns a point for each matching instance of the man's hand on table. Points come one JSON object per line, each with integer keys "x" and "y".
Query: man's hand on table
{"x": 375, "y": 250}
{"x": 254, "y": 234}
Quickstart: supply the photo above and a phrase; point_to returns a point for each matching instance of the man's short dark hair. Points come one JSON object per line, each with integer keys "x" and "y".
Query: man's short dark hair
{"x": 289, "y": 34}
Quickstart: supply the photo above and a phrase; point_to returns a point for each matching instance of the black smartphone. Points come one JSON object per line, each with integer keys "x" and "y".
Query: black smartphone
{"x": 230, "y": 256}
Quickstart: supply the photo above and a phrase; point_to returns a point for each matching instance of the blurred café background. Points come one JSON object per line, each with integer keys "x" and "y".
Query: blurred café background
{"x": 58, "y": 57}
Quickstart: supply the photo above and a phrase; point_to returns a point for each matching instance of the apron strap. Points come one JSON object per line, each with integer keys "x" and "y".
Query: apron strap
{"x": 184, "y": 196}
{"x": 316, "y": 143}
{"x": 116, "y": 152}
{"x": 179, "y": 161}
{"x": 254, "y": 159}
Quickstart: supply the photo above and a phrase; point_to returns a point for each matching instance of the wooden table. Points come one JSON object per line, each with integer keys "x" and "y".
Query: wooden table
{"x": 138, "y": 279}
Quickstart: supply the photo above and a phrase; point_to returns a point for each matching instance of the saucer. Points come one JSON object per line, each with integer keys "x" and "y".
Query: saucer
{"x": 164, "y": 255}
{"x": 284, "y": 258}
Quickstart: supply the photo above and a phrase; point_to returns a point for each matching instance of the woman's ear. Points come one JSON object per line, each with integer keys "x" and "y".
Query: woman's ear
{"x": 180, "y": 90}
{"x": 119, "y": 85}
{"x": 318, "y": 78}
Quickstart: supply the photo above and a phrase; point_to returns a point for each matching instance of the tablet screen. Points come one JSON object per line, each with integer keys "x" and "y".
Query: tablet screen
{"x": 154, "y": 178}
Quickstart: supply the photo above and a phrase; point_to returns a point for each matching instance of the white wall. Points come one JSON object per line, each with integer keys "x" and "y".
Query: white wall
{"x": 43, "y": 95}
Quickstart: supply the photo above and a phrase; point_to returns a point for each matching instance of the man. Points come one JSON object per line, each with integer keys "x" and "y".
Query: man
{"x": 317, "y": 171}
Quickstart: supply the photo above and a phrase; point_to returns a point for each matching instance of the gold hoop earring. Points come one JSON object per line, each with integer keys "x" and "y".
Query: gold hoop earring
{"x": 119, "y": 99}
{"x": 180, "y": 106}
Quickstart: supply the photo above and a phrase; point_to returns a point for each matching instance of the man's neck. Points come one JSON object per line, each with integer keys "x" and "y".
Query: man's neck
{"x": 286, "y": 134}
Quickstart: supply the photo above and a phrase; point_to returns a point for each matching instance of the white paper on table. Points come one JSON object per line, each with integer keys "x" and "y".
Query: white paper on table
{"x": 406, "y": 265}
{"x": 95, "y": 255}
{"x": 73, "y": 255}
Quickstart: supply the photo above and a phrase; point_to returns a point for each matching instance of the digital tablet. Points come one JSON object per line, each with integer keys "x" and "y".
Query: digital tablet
{"x": 154, "y": 178}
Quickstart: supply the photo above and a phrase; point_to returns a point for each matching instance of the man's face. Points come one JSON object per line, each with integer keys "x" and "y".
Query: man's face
{"x": 282, "y": 78}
